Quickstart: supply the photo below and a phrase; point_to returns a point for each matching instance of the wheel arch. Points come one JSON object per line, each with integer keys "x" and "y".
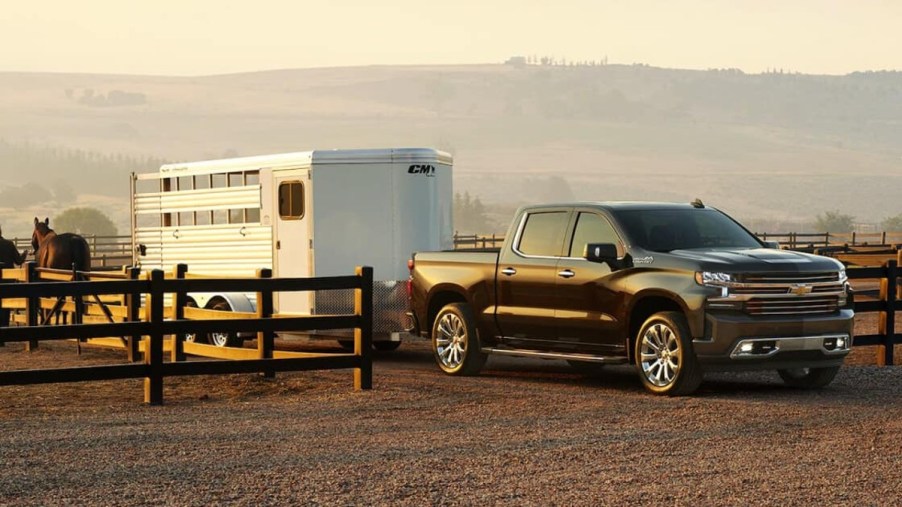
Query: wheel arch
{"x": 644, "y": 306}
{"x": 438, "y": 299}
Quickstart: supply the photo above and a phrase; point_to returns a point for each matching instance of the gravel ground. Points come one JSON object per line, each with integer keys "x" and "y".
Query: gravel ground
{"x": 526, "y": 432}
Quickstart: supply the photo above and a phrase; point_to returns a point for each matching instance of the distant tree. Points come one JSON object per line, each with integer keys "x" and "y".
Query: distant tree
{"x": 834, "y": 221}
{"x": 469, "y": 214}
{"x": 893, "y": 224}
{"x": 27, "y": 195}
{"x": 84, "y": 220}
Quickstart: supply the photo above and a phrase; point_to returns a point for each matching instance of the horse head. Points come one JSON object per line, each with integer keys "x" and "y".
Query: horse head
{"x": 41, "y": 231}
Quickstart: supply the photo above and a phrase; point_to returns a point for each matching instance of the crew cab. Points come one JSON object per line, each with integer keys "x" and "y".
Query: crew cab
{"x": 675, "y": 289}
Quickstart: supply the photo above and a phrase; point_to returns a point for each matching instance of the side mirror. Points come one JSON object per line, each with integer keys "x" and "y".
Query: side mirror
{"x": 602, "y": 252}
{"x": 772, "y": 244}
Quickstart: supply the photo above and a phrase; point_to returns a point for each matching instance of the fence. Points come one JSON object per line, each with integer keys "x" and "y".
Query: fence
{"x": 154, "y": 326}
{"x": 818, "y": 240}
{"x": 106, "y": 251}
{"x": 477, "y": 241}
{"x": 887, "y": 303}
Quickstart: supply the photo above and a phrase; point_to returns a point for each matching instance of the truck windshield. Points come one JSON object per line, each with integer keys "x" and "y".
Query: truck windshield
{"x": 683, "y": 229}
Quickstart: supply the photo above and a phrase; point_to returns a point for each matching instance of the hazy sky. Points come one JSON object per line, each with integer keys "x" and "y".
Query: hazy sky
{"x": 196, "y": 37}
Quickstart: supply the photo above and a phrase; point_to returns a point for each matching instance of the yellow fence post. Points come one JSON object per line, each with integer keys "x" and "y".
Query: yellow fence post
{"x": 363, "y": 333}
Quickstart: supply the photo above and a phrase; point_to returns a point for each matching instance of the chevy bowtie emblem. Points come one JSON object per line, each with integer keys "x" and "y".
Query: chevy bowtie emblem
{"x": 800, "y": 289}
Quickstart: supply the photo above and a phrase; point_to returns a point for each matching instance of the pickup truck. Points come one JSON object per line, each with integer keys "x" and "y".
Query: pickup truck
{"x": 674, "y": 289}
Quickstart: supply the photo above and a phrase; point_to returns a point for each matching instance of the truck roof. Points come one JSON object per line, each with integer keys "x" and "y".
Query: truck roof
{"x": 621, "y": 205}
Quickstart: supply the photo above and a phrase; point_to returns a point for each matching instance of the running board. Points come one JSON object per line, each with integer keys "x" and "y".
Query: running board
{"x": 556, "y": 355}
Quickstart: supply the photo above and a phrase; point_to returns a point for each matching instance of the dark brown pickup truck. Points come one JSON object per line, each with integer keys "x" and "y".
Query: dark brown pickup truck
{"x": 675, "y": 289}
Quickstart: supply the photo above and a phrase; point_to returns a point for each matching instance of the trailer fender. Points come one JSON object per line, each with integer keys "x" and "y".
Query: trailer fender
{"x": 238, "y": 302}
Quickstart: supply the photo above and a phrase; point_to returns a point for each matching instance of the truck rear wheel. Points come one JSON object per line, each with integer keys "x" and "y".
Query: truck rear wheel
{"x": 664, "y": 357}
{"x": 454, "y": 341}
{"x": 808, "y": 378}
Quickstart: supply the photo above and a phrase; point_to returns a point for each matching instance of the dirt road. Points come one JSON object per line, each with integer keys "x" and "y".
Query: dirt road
{"x": 526, "y": 432}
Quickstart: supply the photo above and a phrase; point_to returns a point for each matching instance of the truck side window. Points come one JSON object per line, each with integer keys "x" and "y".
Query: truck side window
{"x": 543, "y": 234}
{"x": 591, "y": 228}
{"x": 291, "y": 200}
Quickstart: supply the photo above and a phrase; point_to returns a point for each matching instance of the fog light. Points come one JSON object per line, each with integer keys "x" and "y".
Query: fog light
{"x": 746, "y": 348}
{"x": 840, "y": 343}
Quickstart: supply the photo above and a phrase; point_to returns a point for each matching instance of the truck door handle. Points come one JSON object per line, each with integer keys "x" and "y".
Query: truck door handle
{"x": 509, "y": 271}
{"x": 566, "y": 274}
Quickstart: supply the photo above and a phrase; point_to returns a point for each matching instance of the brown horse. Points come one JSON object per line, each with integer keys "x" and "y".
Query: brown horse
{"x": 59, "y": 251}
{"x": 9, "y": 256}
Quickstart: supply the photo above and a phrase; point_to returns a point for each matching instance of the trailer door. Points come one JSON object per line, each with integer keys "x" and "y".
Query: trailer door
{"x": 291, "y": 236}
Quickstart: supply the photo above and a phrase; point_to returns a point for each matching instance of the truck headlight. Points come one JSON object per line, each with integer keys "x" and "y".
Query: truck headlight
{"x": 712, "y": 279}
{"x": 842, "y": 275}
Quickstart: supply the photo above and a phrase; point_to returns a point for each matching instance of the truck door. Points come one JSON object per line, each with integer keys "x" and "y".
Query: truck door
{"x": 587, "y": 304}
{"x": 292, "y": 242}
{"x": 526, "y": 279}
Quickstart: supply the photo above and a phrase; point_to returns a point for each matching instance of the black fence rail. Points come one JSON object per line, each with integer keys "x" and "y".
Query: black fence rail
{"x": 106, "y": 251}
{"x": 886, "y": 303}
{"x": 153, "y": 326}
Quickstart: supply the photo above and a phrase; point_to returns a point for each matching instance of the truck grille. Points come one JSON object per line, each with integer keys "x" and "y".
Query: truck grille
{"x": 792, "y": 305}
{"x": 787, "y": 293}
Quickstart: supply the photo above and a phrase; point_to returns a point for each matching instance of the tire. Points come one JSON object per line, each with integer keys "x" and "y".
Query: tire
{"x": 585, "y": 367}
{"x": 223, "y": 338}
{"x": 808, "y": 378}
{"x": 455, "y": 344}
{"x": 386, "y": 346}
{"x": 192, "y": 337}
{"x": 664, "y": 358}
{"x": 380, "y": 346}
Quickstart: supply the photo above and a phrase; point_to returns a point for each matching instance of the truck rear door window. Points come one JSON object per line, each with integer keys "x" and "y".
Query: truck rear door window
{"x": 543, "y": 234}
{"x": 291, "y": 200}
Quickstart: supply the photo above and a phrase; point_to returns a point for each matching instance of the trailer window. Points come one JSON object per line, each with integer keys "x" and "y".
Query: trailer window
{"x": 291, "y": 200}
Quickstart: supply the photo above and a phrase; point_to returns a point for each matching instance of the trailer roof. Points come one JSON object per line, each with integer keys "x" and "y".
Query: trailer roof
{"x": 306, "y": 158}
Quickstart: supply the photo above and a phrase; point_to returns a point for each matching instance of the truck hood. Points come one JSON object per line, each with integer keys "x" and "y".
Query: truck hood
{"x": 756, "y": 260}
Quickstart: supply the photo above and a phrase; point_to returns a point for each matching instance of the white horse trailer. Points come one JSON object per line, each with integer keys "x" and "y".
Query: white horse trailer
{"x": 314, "y": 213}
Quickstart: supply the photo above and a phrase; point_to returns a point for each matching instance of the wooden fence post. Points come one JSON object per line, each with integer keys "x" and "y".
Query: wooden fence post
{"x": 153, "y": 354}
{"x": 363, "y": 334}
{"x": 265, "y": 339}
{"x": 32, "y": 304}
{"x": 4, "y": 313}
{"x": 886, "y": 324}
{"x": 178, "y": 308}
{"x": 133, "y": 305}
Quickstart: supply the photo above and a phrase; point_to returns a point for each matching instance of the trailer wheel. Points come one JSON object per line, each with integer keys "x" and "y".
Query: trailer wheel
{"x": 223, "y": 338}
{"x": 192, "y": 337}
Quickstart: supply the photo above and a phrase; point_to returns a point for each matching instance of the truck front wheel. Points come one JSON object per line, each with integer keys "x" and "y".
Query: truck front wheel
{"x": 454, "y": 341}
{"x": 808, "y": 378}
{"x": 664, "y": 357}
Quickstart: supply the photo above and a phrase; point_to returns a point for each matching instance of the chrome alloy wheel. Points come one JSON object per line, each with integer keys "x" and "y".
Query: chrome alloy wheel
{"x": 660, "y": 355}
{"x": 451, "y": 341}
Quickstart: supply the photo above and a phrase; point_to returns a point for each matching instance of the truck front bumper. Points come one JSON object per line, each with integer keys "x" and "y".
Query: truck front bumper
{"x": 735, "y": 341}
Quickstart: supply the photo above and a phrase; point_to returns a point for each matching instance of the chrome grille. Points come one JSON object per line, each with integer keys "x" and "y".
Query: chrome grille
{"x": 784, "y": 278}
{"x": 784, "y": 293}
{"x": 792, "y": 305}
